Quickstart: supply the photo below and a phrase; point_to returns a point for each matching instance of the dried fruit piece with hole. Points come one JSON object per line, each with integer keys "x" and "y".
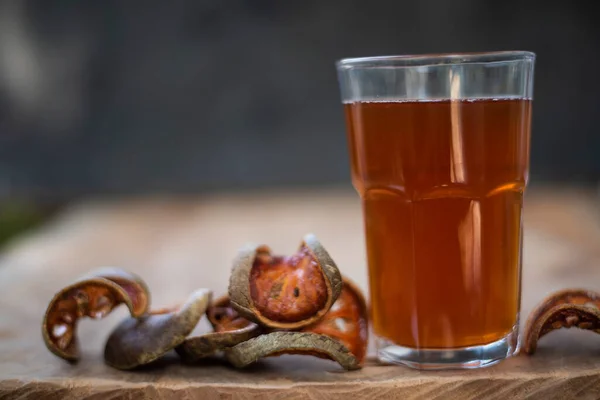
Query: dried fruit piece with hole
{"x": 347, "y": 321}
{"x": 279, "y": 343}
{"x": 95, "y": 295}
{"x": 285, "y": 292}
{"x": 564, "y": 309}
{"x": 229, "y": 329}
{"x": 139, "y": 341}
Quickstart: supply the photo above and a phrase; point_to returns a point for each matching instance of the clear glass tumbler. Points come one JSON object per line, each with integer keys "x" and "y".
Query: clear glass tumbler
{"x": 439, "y": 150}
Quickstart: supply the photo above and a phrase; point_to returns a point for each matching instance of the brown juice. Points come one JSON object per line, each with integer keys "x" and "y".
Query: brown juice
{"x": 442, "y": 187}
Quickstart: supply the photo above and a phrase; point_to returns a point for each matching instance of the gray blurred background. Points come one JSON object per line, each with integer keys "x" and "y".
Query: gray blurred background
{"x": 111, "y": 97}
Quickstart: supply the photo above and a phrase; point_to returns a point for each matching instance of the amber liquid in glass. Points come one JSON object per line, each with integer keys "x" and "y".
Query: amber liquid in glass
{"x": 442, "y": 187}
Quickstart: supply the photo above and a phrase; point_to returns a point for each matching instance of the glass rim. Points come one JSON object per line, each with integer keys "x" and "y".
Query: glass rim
{"x": 432, "y": 59}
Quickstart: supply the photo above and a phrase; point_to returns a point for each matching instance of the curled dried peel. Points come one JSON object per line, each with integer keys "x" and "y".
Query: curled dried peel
{"x": 279, "y": 343}
{"x": 93, "y": 296}
{"x": 285, "y": 292}
{"x": 139, "y": 341}
{"x": 288, "y": 289}
{"x": 135, "y": 287}
{"x": 347, "y": 321}
{"x": 229, "y": 329}
{"x": 564, "y": 309}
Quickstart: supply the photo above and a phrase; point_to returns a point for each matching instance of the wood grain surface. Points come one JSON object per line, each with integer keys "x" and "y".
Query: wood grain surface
{"x": 178, "y": 245}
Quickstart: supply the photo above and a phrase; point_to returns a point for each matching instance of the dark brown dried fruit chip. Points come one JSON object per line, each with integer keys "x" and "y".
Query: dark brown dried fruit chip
{"x": 564, "y": 309}
{"x": 139, "y": 341}
{"x": 94, "y": 296}
{"x": 229, "y": 329}
{"x": 279, "y": 343}
{"x": 347, "y": 321}
{"x": 285, "y": 292}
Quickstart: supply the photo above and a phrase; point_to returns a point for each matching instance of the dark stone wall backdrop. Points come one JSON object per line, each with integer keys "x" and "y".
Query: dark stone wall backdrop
{"x": 189, "y": 96}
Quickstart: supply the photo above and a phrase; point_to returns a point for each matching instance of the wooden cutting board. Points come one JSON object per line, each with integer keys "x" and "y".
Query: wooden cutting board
{"x": 178, "y": 245}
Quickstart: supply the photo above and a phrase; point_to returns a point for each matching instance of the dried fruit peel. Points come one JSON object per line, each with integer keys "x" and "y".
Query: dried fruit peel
{"x": 229, "y": 329}
{"x": 139, "y": 341}
{"x": 279, "y": 343}
{"x": 288, "y": 289}
{"x": 564, "y": 309}
{"x": 347, "y": 321}
{"x": 198, "y": 347}
{"x": 294, "y": 309}
{"x": 136, "y": 288}
{"x": 94, "y": 296}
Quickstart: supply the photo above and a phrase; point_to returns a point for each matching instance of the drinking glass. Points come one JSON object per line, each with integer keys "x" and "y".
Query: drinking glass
{"x": 439, "y": 151}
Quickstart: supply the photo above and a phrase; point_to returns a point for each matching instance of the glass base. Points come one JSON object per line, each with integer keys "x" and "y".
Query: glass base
{"x": 457, "y": 358}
